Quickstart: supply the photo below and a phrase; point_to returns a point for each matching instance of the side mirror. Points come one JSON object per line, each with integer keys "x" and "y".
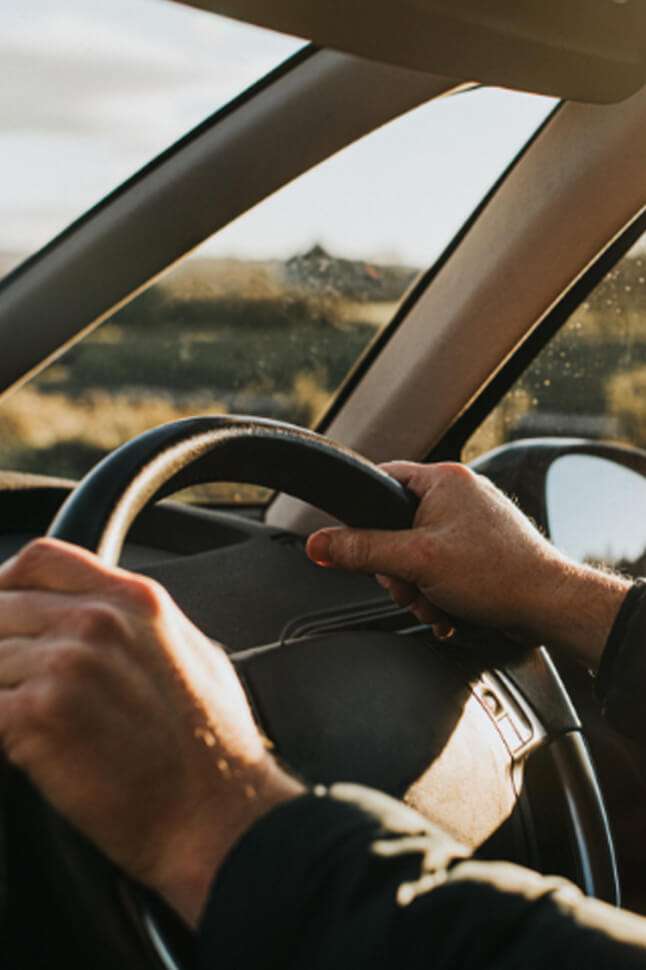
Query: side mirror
{"x": 596, "y": 511}
{"x": 588, "y": 497}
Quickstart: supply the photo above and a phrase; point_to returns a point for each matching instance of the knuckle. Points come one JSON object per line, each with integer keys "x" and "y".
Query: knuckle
{"x": 39, "y": 714}
{"x": 144, "y": 594}
{"x": 65, "y": 662}
{"x": 424, "y": 549}
{"x": 457, "y": 474}
{"x": 38, "y": 705}
{"x": 357, "y": 550}
{"x": 92, "y": 622}
{"x": 32, "y": 557}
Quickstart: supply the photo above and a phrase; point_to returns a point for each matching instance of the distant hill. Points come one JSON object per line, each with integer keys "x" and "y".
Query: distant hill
{"x": 315, "y": 271}
{"x": 205, "y": 278}
{"x": 354, "y": 279}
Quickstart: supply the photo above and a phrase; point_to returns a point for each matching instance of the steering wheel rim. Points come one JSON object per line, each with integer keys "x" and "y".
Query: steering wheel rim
{"x": 99, "y": 511}
{"x": 192, "y": 451}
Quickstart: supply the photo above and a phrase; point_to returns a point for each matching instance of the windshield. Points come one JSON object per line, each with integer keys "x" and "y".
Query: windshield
{"x": 93, "y": 90}
{"x": 270, "y": 315}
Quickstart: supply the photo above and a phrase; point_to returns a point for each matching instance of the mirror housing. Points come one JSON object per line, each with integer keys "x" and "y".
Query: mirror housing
{"x": 570, "y": 488}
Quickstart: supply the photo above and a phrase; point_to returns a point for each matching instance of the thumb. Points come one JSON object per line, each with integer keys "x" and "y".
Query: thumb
{"x": 365, "y": 551}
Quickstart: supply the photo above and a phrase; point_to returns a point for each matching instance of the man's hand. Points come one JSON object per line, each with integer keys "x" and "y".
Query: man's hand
{"x": 129, "y": 720}
{"x": 473, "y": 555}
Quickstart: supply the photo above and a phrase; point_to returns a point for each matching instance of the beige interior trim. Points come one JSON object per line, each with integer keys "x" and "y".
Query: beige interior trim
{"x": 579, "y": 184}
{"x": 588, "y": 50}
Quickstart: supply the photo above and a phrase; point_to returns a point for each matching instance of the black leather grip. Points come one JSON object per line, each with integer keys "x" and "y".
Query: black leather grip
{"x": 223, "y": 448}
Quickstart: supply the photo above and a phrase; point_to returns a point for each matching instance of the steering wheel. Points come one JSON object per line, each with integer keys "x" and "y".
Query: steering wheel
{"x": 397, "y": 710}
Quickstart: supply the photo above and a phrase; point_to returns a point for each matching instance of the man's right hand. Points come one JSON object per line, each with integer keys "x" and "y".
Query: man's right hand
{"x": 472, "y": 555}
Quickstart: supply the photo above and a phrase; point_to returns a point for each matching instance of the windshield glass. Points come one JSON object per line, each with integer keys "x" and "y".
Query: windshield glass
{"x": 91, "y": 91}
{"x": 270, "y": 315}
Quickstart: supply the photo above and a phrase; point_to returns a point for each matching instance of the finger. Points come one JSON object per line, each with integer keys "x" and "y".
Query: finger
{"x": 408, "y": 597}
{"x": 403, "y": 594}
{"x": 417, "y": 477}
{"x": 24, "y": 722}
{"x": 20, "y": 659}
{"x": 403, "y": 471}
{"x": 50, "y": 564}
{"x": 425, "y": 612}
{"x": 365, "y": 551}
{"x": 30, "y": 612}
{"x": 429, "y": 615}
{"x": 443, "y": 630}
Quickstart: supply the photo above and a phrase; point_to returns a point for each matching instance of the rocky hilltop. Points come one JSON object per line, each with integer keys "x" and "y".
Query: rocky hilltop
{"x": 314, "y": 272}
{"x": 354, "y": 279}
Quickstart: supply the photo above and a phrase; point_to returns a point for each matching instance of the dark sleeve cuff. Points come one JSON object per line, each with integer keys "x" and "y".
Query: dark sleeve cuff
{"x": 352, "y": 879}
{"x": 622, "y": 670}
{"x": 310, "y": 865}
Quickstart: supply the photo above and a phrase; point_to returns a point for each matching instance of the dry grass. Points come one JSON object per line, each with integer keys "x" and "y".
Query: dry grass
{"x": 34, "y": 419}
{"x": 626, "y": 395}
{"x": 309, "y": 395}
{"x": 496, "y": 428}
{"x": 53, "y": 433}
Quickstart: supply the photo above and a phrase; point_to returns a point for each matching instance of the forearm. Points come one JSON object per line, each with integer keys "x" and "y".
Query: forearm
{"x": 600, "y": 619}
{"x": 573, "y": 610}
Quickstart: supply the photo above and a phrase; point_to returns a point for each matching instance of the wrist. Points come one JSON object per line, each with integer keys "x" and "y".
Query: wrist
{"x": 578, "y": 610}
{"x": 184, "y": 881}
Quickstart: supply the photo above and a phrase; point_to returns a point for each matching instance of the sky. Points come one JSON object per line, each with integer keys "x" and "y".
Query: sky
{"x": 586, "y": 519}
{"x": 90, "y": 90}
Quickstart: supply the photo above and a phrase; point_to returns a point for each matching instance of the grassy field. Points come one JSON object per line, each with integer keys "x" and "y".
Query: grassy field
{"x": 214, "y": 337}
{"x": 277, "y": 339}
{"x": 591, "y": 375}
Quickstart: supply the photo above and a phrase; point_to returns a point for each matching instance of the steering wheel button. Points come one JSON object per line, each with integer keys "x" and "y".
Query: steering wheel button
{"x": 491, "y": 702}
{"x": 510, "y": 735}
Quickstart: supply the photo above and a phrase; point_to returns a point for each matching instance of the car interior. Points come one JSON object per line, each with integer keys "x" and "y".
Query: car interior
{"x": 519, "y": 347}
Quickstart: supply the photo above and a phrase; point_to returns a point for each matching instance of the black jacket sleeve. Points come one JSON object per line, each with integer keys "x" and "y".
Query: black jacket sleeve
{"x": 622, "y": 671}
{"x": 351, "y": 879}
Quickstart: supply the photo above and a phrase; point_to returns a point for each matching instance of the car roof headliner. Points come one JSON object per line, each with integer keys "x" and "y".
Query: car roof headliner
{"x": 583, "y": 50}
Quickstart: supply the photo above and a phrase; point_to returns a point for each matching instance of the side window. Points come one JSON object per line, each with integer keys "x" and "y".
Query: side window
{"x": 590, "y": 380}
{"x": 589, "y": 383}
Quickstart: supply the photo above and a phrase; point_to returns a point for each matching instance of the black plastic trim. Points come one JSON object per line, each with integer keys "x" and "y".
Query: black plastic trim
{"x": 571, "y": 818}
{"x": 520, "y": 468}
{"x": 449, "y": 447}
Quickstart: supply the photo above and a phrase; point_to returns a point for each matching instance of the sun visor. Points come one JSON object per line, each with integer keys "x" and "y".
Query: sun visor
{"x": 585, "y": 50}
